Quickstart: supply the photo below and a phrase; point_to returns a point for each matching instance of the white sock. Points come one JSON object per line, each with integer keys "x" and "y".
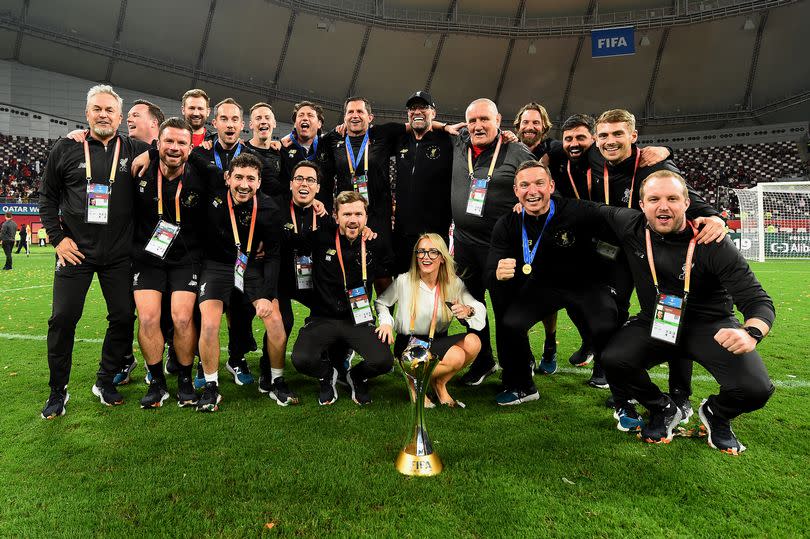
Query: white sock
{"x": 275, "y": 373}
{"x": 213, "y": 377}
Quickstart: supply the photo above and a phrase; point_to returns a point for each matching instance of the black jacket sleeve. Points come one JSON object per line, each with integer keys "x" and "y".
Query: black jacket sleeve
{"x": 499, "y": 249}
{"x": 50, "y": 194}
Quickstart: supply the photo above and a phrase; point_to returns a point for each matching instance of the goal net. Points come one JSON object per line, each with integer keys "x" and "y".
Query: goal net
{"x": 775, "y": 220}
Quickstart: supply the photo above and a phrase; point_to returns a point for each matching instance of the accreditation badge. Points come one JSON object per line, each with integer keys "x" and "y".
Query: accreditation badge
{"x": 360, "y": 184}
{"x": 607, "y": 250}
{"x": 360, "y": 305}
{"x": 666, "y": 323}
{"x": 162, "y": 238}
{"x": 239, "y": 271}
{"x": 303, "y": 271}
{"x": 98, "y": 204}
{"x": 477, "y": 196}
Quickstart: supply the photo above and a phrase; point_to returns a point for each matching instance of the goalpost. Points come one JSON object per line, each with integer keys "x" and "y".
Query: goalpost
{"x": 775, "y": 220}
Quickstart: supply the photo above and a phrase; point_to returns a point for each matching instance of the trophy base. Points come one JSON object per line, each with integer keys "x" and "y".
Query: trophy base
{"x": 418, "y": 466}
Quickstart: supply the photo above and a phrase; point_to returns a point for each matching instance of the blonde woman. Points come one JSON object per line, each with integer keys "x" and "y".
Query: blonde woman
{"x": 431, "y": 294}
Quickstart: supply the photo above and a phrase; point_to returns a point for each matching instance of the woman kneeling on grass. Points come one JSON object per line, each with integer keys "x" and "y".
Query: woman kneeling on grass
{"x": 431, "y": 279}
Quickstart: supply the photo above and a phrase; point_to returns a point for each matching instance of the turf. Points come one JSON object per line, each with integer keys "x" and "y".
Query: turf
{"x": 555, "y": 467}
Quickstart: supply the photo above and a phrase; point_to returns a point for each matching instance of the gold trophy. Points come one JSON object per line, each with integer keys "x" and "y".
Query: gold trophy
{"x": 417, "y": 458}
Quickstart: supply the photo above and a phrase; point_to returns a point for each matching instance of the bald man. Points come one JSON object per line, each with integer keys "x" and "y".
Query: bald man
{"x": 481, "y": 192}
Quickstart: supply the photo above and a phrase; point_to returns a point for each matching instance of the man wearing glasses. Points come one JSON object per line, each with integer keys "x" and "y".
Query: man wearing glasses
{"x": 424, "y": 168}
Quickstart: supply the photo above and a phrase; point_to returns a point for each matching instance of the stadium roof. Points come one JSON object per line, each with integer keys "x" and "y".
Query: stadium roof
{"x": 698, "y": 64}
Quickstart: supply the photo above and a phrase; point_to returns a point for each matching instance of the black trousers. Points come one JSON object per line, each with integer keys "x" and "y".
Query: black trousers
{"x": 743, "y": 379}
{"x": 471, "y": 262}
{"x": 592, "y": 306}
{"x": 22, "y": 245}
{"x": 7, "y": 247}
{"x": 70, "y": 285}
{"x": 319, "y": 334}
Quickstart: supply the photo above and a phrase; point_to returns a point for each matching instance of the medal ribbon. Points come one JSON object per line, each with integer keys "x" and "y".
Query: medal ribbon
{"x": 690, "y": 251}
{"x": 353, "y": 162}
{"x": 233, "y": 224}
{"x": 89, "y": 171}
{"x": 570, "y": 177}
{"x": 436, "y": 297}
{"x": 632, "y": 182}
{"x": 295, "y": 224}
{"x": 176, "y": 196}
{"x": 528, "y": 256}
{"x": 340, "y": 258}
{"x": 218, "y": 160}
{"x": 294, "y": 137}
{"x": 491, "y": 164}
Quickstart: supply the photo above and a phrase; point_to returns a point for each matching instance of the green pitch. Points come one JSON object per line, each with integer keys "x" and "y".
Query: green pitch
{"x": 555, "y": 467}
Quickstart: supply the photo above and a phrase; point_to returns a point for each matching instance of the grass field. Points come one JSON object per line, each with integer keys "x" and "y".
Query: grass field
{"x": 555, "y": 467}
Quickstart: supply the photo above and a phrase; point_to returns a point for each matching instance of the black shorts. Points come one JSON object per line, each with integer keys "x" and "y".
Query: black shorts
{"x": 165, "y": 278}
{"x": 217, "y": 282}
{"x": 441, "y": 343}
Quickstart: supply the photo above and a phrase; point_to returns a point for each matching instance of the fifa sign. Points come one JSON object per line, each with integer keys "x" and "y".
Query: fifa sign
{"x": 613, "y": 42}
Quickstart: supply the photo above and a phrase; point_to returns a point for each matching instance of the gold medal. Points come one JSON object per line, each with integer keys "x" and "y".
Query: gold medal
{"x": 527, "y": 268}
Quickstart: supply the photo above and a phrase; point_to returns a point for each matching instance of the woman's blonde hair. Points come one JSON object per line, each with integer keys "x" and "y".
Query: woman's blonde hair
{"x": 447, "y": 278}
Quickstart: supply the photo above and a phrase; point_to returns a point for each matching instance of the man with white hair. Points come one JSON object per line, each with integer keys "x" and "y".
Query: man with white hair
{"x": 90, "y": 184}
{"x": 481, "y": 192}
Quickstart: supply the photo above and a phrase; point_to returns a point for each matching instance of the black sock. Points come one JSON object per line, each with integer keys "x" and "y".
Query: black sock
{"x": 156, "y": 371}
{"x": 551, "y": 341}
{"x": 184, "y": 372}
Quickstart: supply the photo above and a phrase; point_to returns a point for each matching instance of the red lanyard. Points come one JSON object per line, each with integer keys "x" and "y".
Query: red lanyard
{"x": 632, "y": 182}
{"x": 89, "y": 171}
{"x": 252, "y": 223}
{"x": 570, "y": 177}
{"x": 436, "y": 297}
{"x": 690, "y": 251}
{"x": 340, "y": 258}
{"x": 176, "y": 195}
{"x": 295, "y": 224}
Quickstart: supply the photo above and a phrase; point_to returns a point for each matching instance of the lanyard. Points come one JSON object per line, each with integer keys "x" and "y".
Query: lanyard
{"x": 294, "y": 137}
{"x": 491, "y": 164}
{"x": 219, "y": 160}
{"x": 436, "y": 298}
{"x": 340, "y": 258}
{"x": 528, "y": 256}
{"x": 295, "y": 224}
{"x": 353, "y": 162}
{"x": 89, "y": 171}
{"x": 632, "y": 182}
{"x": 176, "y": 196}
{"x": 570, "y": 177}
{"x": 687, "y": 273}
{"x": 252, "y": 224}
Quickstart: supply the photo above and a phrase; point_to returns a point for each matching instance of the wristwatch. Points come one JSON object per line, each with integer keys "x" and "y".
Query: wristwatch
{"x": 755, "y": 333}
{"x": 472, "y": 311}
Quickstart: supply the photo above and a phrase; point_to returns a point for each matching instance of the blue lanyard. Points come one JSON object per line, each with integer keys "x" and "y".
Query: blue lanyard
{"x": 354, "y": 162}
{"x": 294, "y": 137}
{"x": 219, "y": 160}
{"x": 528, "y": 256}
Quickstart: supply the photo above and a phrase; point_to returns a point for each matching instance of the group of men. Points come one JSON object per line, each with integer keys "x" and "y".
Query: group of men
{"x": 186, "y": 225}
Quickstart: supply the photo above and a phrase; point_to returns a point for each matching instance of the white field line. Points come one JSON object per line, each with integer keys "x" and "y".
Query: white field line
{"x": 792, "y": 383}
{"x": 26, "y": 288}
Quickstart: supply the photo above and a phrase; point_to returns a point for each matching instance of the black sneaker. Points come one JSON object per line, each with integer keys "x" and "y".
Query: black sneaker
{"x": 209, "y": 402}
{"x": 686, "y": 409}
{"x": 155, "y": 396}
{"x": 265, "y": 386}
{"x": 281, "y": 393}
{"x": 107, "y": 394}
{"x": 327, "y": 394}
{"x": 171, "y": 365}
{"x": 478, "y": 372}
{"x": 360, "y": 393}
{"x": 55, "y": 405}
{"x": 661, "y": 424}
{"x": 718, "y": 431}
{"x": 598, "y": 379}
{"x": 581, "y": 357}
{"x": 186, "y": 395}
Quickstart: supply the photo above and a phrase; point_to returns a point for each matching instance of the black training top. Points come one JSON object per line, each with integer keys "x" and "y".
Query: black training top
{"x": 63, "y": 197}
{"x": 293, "y": 242}
{"x": 294, "y": 154}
